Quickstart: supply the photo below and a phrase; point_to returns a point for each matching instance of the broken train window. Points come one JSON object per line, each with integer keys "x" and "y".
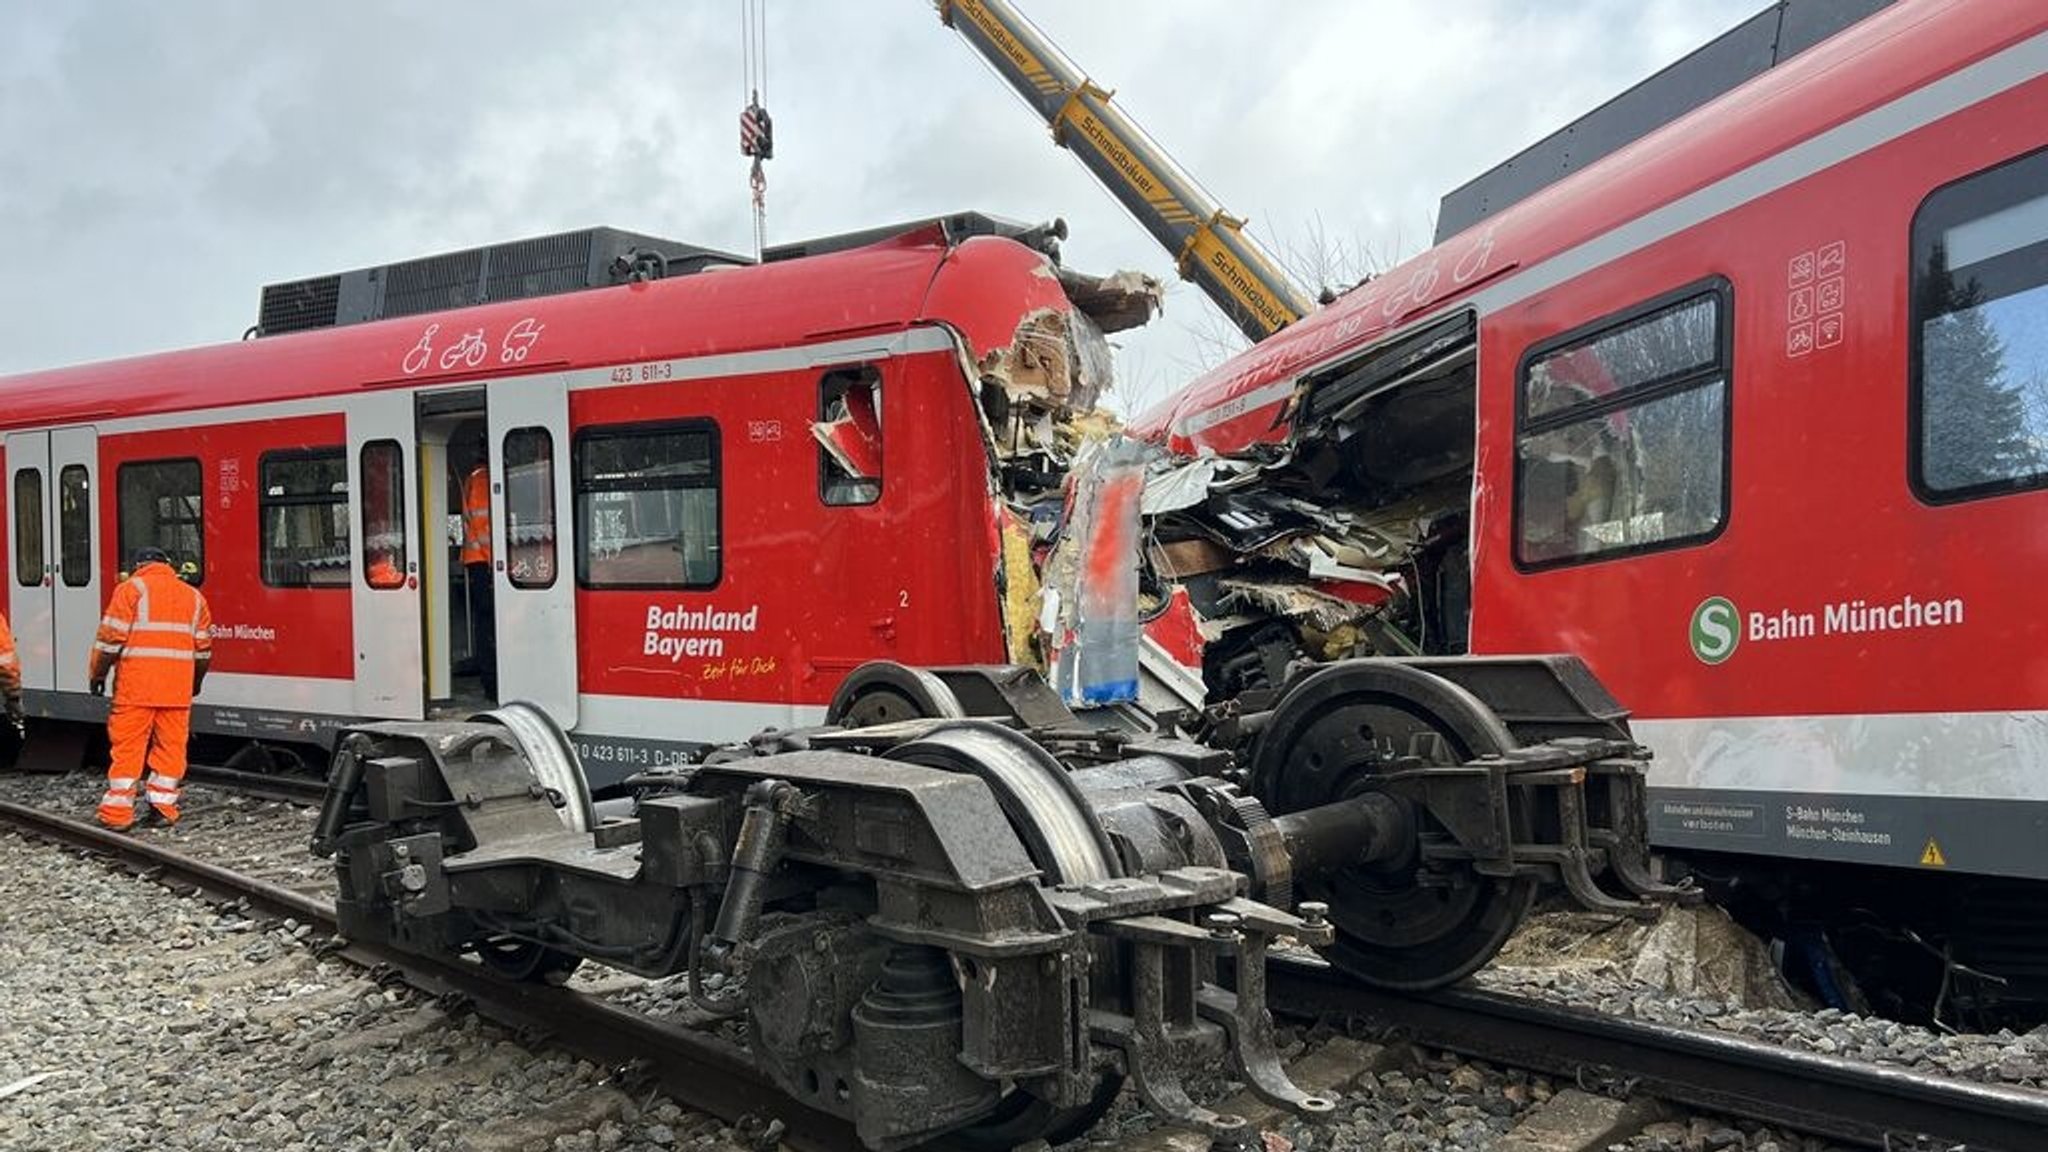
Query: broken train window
{"x": 1622, "y": 433}
{"x": 849, "y": 436}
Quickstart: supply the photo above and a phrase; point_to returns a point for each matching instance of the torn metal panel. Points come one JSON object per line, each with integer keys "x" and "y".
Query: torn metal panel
{"x": 852, "y": 435}
{"x": 1198, "y": 556}
{"x": 1037, "y": 370}
{"x": 1091, "y": 603}
{"x": 1116, "y": 302}
{"x": 1302, "y": 602}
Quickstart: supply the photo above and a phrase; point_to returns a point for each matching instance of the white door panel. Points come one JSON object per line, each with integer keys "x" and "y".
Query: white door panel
{"x": 384, "y": 527}
{"x": 535, "y": 597}
{"x": 81, "y": 540}
{"x": 31, "y": 607}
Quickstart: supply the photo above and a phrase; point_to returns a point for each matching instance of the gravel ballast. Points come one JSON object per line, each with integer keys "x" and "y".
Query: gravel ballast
{"x": 251, "y": 1025}
{"x": 133, "y": 1018}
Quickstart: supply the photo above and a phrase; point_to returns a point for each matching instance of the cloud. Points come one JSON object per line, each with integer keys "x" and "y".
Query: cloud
{"x": 166, "y": 161}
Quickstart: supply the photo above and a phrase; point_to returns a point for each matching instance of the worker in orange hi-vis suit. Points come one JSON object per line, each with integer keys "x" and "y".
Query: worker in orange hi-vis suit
{"x": 157, "y": 639}
{"x": 476, "y": 565}
{"x": 10, "y": 675}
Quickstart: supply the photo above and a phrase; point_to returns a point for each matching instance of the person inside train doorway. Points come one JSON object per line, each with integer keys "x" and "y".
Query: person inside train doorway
{"x": 156, "y": 640}
{"x": 476, "y": 564}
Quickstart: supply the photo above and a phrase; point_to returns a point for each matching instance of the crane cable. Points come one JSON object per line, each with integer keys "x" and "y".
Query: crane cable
{"x": 757, "y": 131}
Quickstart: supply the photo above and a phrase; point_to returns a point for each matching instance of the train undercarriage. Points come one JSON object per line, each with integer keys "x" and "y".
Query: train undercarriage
{"x": 962, "y": 913}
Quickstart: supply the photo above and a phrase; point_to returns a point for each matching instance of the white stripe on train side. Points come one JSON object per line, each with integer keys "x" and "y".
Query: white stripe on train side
{"x": 1959, "y": 90}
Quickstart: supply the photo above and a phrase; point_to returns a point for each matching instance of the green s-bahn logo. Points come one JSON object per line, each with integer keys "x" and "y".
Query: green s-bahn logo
{"x": 1716, "y": 626}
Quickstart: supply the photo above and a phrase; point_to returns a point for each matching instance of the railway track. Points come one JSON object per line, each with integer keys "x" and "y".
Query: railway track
{"x": 697, "y": 1069}
{"x": 1851, "y": 1101}
{"x": 289, "y": 789}
{"x": 1844, "y": 1100}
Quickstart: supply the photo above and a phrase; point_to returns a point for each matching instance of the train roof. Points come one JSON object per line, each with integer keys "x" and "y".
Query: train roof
{"x": 1904, "y": 48}
{"x": 887, "y": 286}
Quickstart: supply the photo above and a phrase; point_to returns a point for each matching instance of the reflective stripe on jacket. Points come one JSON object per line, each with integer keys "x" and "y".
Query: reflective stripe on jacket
{"x": 156, "y": 629}
{"x": 10, "y": 664}
{"x": 476, "y": 517}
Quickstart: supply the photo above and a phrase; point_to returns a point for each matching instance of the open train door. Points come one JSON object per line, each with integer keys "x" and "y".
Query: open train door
{"x": 536, "y": 601}
{"x": 31, "y": 603}
{"x": 384, "y": 525}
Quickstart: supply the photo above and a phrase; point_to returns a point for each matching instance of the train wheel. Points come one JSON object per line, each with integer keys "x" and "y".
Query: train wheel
{"x": 1340, "y": 733}
{"x": 1059, "y": 829}
{"x": 551, "y": 757}
{"x": 527, "y": 961}
{"x": 883, "y": 692}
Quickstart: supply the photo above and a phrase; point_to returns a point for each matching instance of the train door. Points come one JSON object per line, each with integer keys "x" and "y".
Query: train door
{"x": 31, "y": 604}
{"x": 535, "y": 618}
{"x": 384, "y": 522}
{"x": 75, "y": 593}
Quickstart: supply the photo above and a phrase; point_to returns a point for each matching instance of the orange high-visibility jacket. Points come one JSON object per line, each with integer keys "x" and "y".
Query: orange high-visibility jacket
{"x": 10, "y": 664}
{"x": 476, "y": 517}
{"x": 157, "y": 636}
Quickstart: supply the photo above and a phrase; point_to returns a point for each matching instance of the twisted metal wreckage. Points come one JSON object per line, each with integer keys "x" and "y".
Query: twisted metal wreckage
{"x": 962, "y": 909}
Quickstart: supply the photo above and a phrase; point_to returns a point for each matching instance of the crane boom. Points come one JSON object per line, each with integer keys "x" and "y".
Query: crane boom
{"x": 1208, "y": 245}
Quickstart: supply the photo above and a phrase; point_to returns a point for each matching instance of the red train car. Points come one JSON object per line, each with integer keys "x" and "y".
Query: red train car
{"x": 1752, "y": 415}
{"x": 667, "y": 519}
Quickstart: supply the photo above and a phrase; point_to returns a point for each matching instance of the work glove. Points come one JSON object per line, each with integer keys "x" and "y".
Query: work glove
{"x": 98, "y": 686}
{"x": 198, "y": 678}
{"x": 14, "y": 715}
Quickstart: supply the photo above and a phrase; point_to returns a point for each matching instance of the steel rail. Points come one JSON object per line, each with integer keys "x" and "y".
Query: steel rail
{"x": 1848, "y": 1100}
{"x": 701, "y": 1071}
{"x": 291, "y": 789}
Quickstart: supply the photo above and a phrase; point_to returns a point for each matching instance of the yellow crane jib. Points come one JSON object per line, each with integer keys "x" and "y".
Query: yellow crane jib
{"x": 1208, "y": 245}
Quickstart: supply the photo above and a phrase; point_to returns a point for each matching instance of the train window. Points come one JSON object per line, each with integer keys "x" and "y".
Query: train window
{"x": 304, "y": 512}
{"x": 159, "y": 504}
{"x": 384, "y": 551}
{"x": 849, "y": 435}
{"x": 529, "y": 455}
{"x": 1622, "y": 444}
{"x": 28, "y": 527}
{"x": 1979, "y": 411}
{"x": 647, "y": 501}
{"x": 74, "y": 525}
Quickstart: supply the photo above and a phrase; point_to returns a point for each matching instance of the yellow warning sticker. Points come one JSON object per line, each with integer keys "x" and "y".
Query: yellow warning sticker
{"x": 1931, "y": 857}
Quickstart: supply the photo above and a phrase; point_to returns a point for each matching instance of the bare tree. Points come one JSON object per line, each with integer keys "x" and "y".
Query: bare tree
{"x": 1323, "y": 263}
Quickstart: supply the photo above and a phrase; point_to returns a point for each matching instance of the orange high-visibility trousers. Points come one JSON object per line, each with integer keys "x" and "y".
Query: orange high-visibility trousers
{"x": 143, "y": 735}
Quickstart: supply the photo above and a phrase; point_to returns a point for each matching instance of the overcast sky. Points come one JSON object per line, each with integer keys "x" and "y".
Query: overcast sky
{"x": 160, "y": 162}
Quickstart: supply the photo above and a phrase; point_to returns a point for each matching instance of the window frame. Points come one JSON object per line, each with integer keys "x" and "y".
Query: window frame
{"x": 825, "y": 463}
{"x": 63, "y": 536}
{"x": 1916, "y": 253}
{"x": 124, "y": 552}
{"x": 1631, "y": 397}
{"x": 359, "y": 562}
{"x": 265, "y": 502}
{"x": 505, "y": 529}
{"x": 628, "y": 430}
{"x": 42, "y": 512}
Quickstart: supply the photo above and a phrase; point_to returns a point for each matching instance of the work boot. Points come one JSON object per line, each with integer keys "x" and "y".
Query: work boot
{"x": 163, "y": 815}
